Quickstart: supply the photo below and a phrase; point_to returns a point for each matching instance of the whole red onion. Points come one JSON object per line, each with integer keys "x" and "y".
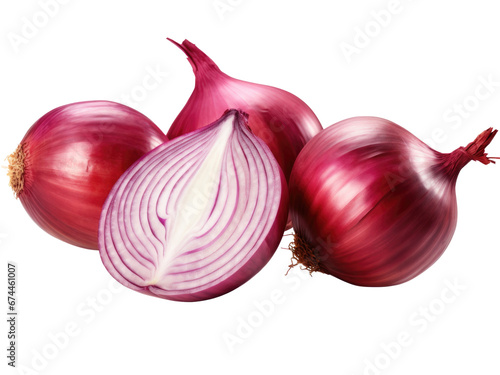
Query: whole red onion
{"x": 276, "y": 116}
{"x": 373, "y": 205}
{"x": 68, "y": 161}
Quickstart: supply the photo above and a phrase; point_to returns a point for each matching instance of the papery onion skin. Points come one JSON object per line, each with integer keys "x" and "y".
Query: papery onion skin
{"x": 168, "y": 232}
{"x": 373, "y": 205}
{"x": 69, "y": 160}
{"x": 278, "y": 117}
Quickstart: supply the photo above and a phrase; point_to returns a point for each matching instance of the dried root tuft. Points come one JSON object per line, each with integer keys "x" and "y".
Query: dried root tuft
{"x": 16, "y": 170}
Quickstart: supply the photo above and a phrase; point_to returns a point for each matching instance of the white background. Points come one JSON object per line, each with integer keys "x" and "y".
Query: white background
{"x": 426, "y": 59}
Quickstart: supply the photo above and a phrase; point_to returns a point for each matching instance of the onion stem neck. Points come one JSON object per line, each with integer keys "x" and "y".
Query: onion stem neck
{"x": 16, "y": 170}
{"x": 476, "y": 149}
{"x": 199, "y": 61}
{"x": 456, "y": 160}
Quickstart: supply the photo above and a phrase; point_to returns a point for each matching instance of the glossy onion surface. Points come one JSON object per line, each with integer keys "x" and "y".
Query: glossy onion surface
{"x": 196, "y": 217}
{"x": 373, "y": 205}
{"x": 278, "y": 117}
{"x": 69, "y": 160}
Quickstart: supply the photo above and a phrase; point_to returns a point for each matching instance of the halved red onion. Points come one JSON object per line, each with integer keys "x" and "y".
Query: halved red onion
{"x": 196, "y": 217}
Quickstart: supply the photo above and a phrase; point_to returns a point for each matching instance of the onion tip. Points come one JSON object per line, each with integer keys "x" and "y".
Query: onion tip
{"x": 178, "y": 45}
{"x": 197, "y": 58}
{"x": 16, "y": 170}
{"x": 476, "y": 149}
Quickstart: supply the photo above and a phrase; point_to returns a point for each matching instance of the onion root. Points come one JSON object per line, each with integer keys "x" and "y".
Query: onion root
{"x": 305, "y": 256}
{"x": 16, "y": 170}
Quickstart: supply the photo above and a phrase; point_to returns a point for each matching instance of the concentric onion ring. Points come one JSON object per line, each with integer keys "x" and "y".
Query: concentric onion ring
{"x": 197, "y": 216}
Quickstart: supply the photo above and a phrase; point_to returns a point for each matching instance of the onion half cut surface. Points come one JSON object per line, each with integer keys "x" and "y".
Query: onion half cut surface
{"x": 198, "y": 216}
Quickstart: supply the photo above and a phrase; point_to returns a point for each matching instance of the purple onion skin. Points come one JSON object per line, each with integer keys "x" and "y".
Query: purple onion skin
{"x": 373, "y": 205}
{"x": 244, "y": 224}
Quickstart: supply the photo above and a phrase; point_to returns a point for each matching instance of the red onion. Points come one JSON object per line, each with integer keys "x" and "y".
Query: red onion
{"x": 196, "y": 217}
{"x": 373, "y": 205}
{"x": 68, "y": 161}
{"x": 278, "y": 117}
